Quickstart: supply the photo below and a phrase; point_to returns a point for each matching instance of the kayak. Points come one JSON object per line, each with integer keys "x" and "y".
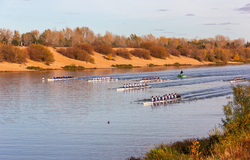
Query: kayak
{"x": 182, "y": 75}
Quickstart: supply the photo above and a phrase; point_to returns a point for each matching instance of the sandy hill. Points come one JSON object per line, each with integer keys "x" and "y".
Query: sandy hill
{"x": 100, "y": 62}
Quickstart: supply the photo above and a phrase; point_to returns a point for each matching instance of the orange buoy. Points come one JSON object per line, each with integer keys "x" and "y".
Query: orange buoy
{"x": 108, "y": 122}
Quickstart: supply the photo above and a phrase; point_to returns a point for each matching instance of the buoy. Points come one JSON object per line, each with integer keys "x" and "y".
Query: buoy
{"x": 108, "y": 122}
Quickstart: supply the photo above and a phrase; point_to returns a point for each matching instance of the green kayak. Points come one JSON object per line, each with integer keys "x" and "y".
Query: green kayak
{"x": 182, "y": 75}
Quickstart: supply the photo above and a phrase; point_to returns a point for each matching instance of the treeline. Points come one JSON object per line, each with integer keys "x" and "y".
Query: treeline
{"x": 220, "y": 48}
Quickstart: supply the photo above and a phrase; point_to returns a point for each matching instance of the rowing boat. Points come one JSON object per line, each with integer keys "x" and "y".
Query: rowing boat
{"x": 182, "y": 75}
{"x": 58, "y": 79}
{"x": 162, "y": 101}
{"x": 102, "y": 80}
{"x": 150, "y": 80}
{"x": 130, "y": 88}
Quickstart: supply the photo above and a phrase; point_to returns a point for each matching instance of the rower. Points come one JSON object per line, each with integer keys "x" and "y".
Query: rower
{"x": 181, "y": 72}
{"x": 159, "y": 98}
{"x": 175, "y": 95}
{"x": 156, "y": 98}
{"x": 152, "y": 99}
{"x": 124, "y": 86}
{"x": 127, "y": 86}
{"x": 179, "y": 96}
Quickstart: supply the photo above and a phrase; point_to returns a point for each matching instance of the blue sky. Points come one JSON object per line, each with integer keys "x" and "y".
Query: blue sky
{"x": 169, "y": 18}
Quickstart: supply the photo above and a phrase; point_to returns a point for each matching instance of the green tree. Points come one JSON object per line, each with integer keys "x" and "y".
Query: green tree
{"x": 15, "y": 42}
{"x": 237, "y": 112}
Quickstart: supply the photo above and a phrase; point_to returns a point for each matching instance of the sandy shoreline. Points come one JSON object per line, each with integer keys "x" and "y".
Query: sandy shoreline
{"x": 100, "y": 62}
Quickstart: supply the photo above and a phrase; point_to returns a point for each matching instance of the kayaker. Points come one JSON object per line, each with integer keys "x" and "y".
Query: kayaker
{"x": 181, "y": 72}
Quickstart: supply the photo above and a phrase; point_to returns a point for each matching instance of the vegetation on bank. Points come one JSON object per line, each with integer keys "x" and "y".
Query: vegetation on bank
{"x": 9, "y": 53}
{"x": 40, "y": 53}
{"x": 123, "y": 66}
{"x": 35, "y": 68}
{"x": 232, "y": 142}
{"x": 73, "y": 67}
{"x": 219, "y": 48}
{"x": 76, "y": 53}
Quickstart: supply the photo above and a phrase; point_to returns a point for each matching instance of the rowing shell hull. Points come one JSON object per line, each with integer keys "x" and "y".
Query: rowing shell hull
{"x": 102, "y": 80}
{"x": 236, "y": 81}
{"x": 169, "y": 100}
{"x": 124, "y": 89}
{"x": 151, "y": 80}
{"x": 59, "y": 79}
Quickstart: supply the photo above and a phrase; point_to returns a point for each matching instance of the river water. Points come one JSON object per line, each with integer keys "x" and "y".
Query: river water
{"x": 68, "y": 119}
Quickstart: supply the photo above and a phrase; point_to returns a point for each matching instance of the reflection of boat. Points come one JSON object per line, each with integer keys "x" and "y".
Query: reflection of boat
{"x": 132, "y": 88}
{"x": 63, "y": 78}
{"x": 156, "y": 102}
{"x": 102, "y": 80}
{"x": 238, "y": 79}
{"x": 182, "y": 75}
{"x": 151, "y": 80}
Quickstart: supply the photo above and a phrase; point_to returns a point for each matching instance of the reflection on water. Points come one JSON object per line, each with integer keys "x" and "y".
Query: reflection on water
{"x": 68, "y": 119}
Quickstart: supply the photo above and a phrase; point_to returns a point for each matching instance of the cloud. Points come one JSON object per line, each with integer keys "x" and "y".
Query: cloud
{"x": 70, "y": 13}
{"x": 245, "y": 9}
{"x": 162, "y": 10}
{"x": 158, "y": 29}
{"x": 168, "y": 32}
{"x": 189, "y": 15}
{"x": 214, "y": 8}
{"x": 218, "y": 24}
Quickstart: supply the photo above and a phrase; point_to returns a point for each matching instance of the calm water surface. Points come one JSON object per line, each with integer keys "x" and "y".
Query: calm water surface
{"x": 68, "y": 119}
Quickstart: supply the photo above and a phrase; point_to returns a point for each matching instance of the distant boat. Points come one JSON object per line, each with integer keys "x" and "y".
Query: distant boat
{"x": 238, "y": 79}
{"x": 59, "y": 78}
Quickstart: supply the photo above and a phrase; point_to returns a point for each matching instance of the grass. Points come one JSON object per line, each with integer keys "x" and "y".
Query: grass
{"x": 123, "y": 66}
{"x": 151, "y": 65}
{"x": 73, "y": 67}
{"x": 35, "y": 68}
{"x": 177, "y": 64}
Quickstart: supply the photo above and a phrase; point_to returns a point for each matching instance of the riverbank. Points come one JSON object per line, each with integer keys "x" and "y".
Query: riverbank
{"x": 101, "y": 62}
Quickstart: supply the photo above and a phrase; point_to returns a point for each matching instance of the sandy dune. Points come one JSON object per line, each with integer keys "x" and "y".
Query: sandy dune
{"x": 100, "y": 62}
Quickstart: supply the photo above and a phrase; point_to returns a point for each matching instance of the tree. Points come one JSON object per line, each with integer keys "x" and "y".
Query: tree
{"x": 237, "y": 112}
{"x": 15, "y": 42}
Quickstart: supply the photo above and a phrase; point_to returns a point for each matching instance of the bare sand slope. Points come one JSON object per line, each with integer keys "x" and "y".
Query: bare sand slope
{"x": 100, "y": 62}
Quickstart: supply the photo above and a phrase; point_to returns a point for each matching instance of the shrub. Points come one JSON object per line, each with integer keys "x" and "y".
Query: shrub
{"x": 158, "y": 52}
{"x": 104, "y": 49}
{"x": 76, "y": 53}
{"x": 35, "y": 68}
{"x": 197, "y": 54}
{"x": 123, "y": 66}
{"x": 73, "y": 66}
{"x": 151, "y": 65}
{"x": 184, "y": 51}
{"x": 174, "y": 52}
{"x": 123, "y": 53}
{"x": 10, "y": 53}
{"x": 141, "y": 53}
{"x": 40, "y": 53}
{"x": 147, "y": 45}
{"x": 86, "y": 47}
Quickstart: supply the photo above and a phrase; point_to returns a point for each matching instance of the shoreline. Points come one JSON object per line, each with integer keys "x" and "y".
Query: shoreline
{"x": 102, "y": 63}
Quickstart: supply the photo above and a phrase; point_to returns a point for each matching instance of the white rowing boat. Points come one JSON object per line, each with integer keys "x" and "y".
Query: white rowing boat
{"x": 131, "y": 88}
{"x": 102, "y": 80}
{"x": 162, "y": 101}
{"x": 150, "y": 80}
{"x": 58, "y": 79}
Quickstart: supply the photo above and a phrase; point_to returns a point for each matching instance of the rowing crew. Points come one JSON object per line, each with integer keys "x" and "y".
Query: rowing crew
{"x": 131, "y": 85}
{"x": 102, "y": 78}
{"x": 165, "y": 97}
{"x": 63, "y": 77}
{"x": 150, "y": 78}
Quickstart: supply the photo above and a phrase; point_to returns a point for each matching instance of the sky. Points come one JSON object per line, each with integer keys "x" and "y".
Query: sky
{"x": 170, "y": 18}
